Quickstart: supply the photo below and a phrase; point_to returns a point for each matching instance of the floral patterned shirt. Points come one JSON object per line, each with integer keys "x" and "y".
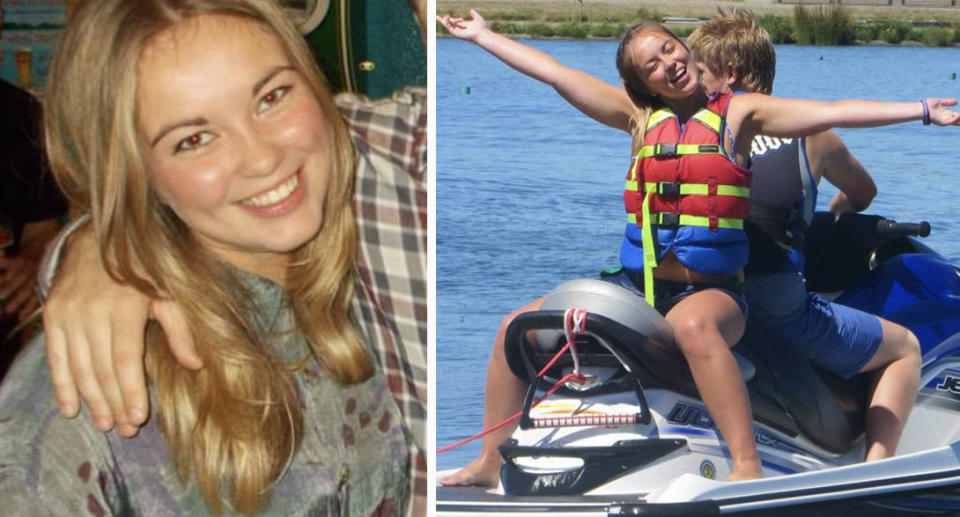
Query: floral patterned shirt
{"x": 353, "y": 458}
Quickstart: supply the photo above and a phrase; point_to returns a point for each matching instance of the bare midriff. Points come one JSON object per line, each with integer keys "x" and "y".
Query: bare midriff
{"x": 670, "y": 268}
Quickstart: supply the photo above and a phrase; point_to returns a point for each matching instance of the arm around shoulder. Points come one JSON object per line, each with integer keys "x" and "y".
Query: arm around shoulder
{"x": 94, "y": 334}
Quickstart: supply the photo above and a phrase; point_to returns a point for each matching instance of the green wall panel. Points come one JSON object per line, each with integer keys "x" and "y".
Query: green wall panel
{"x": 370, "y": 46}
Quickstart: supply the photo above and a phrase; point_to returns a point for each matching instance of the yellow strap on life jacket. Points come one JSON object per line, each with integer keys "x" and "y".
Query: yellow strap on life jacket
{"x": 705, "y": 116}
{"x": 702, "y": 189}
{"x": 694, "y": 189}
{"x": 649, "y": 249}
{"x": 657, "y": 117}
{"x": 692, "y": 220}
{"x": 710, "y": 119}
{"x": 669, "y": 150}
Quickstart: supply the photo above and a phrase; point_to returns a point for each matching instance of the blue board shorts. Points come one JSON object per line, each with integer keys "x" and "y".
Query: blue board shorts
{"x": 668, "y": 293}
{"x": 838, "y": 338}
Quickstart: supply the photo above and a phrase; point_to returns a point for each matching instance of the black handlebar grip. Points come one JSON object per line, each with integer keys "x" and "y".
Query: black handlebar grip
{"x": 889, "y": 227}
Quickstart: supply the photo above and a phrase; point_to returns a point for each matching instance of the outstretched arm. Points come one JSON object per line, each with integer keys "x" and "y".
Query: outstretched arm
{"x": 829, "y": 158}
{"x": 752, "y": 114}
{"x": 597, "y": 99}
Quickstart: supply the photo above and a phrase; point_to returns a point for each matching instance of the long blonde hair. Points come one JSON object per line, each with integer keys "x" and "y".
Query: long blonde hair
{"x": 236, "y": 423}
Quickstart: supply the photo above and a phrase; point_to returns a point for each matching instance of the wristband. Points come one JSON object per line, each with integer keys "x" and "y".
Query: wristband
{"x": 926, "y": 112}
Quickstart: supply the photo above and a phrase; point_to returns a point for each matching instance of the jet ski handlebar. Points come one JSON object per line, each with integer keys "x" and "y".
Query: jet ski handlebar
{"x": 842, "y": 248}
{"x": 891, "y": 228}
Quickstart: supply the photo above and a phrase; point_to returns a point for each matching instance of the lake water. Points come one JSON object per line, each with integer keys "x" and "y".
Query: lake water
{"x": 529, "y": 190}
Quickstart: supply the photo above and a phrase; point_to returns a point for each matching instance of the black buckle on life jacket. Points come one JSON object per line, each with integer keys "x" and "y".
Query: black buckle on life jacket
{"x": 668, "y": 219}
{"x": 665, "y": 150}
{"x": 668, "y": 188}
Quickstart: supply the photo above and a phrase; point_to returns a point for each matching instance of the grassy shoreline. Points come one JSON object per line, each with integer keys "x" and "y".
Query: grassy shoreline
{"x": 686, "y": 8}
{"x": 608, "y": 20}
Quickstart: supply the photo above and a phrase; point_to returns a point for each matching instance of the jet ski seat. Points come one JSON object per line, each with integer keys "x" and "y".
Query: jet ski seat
{"x": 624, "y": 333}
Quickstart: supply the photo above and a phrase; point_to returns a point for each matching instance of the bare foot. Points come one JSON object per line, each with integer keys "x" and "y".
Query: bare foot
{"x": 480, "y": 472}
{"x": 744, "y": 470}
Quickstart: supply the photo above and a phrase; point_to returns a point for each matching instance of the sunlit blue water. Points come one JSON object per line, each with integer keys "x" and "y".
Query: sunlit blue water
{"x": 529, "y": 190}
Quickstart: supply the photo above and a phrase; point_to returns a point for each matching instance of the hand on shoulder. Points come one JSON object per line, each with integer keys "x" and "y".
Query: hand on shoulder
{"x": 94, "y": 339}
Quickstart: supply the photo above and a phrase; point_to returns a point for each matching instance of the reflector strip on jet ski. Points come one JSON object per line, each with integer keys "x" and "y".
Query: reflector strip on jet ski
{"x": 580, "y": 421}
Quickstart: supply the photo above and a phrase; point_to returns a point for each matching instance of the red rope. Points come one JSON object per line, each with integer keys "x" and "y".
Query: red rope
{"x": 573, "y": 330}
{"x": 570, "y": 376}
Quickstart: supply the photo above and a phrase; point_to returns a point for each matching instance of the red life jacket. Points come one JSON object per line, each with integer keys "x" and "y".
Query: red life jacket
{"x": 682, "y": 184}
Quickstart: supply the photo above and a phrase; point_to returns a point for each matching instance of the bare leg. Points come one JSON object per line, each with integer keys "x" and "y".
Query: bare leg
{"x": 897, "y": 362}
{"x": 502, "y": 398}
{"x": 706, "y": 324}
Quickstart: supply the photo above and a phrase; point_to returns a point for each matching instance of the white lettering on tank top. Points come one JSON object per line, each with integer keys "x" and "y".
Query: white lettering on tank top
{"x": 762, "y": 144}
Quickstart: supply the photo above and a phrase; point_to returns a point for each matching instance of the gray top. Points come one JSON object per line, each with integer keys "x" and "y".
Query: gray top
{"x": 352, "y": 460}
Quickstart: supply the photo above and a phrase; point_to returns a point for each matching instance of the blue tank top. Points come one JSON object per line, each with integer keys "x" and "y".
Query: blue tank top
{"x": 782, "y": 200}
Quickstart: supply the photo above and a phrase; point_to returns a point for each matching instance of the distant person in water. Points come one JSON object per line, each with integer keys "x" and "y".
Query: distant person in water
{"x": 690, "y": 246}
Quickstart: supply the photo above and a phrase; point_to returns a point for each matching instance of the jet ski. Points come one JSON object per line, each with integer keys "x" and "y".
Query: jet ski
{"x": 623, "y": 431}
